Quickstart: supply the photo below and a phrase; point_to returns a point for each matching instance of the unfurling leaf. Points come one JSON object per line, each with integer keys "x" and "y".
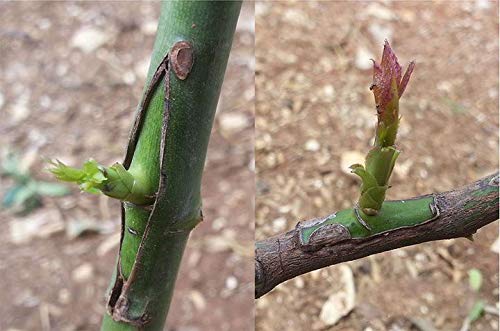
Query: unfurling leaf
{"x": 388, "y": 87}
{"x": 114, "y": 181}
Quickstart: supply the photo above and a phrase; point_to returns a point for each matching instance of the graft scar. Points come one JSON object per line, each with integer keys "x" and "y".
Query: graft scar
{"x": 180, "y": 59}
{"x": 348, "y": 224}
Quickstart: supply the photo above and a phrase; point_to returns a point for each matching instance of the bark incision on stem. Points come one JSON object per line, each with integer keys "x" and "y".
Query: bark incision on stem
{"x": 119, "y": 304}
{"x": 458, "y": 213}
{"x": 166, "y": 151}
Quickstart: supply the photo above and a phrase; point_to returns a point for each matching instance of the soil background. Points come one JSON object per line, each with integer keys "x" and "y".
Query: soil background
{"x": 315, "y": 116}
{"x": 71, "y": 75}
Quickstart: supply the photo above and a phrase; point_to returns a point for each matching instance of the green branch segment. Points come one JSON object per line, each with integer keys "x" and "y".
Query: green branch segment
{"x": 388, "y": 87}
{"x": 167, "y": 150}
{"x": 393, "y": 215}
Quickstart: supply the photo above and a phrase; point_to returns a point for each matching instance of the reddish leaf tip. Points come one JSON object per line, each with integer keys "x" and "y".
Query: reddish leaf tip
{"x": 385, "y": 72}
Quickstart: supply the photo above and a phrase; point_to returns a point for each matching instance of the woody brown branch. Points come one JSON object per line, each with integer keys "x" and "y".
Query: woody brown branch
{"x": 462, "y": 213}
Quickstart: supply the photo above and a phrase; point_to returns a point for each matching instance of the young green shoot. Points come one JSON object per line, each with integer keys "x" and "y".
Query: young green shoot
{"x": 388, "y": 86}
{"x": 114, "y": 181}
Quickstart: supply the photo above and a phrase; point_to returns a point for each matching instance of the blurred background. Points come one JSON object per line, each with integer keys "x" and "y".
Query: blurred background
{"x": 315, "y": 116}
{"x": 71, "y": 75}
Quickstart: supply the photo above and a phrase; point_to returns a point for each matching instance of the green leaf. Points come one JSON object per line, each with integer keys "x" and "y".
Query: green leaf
{"x": 20, "y": 197}
{"x": 11, "y": 166}
{"x": 475, "y": 279}
{"x": 10, "y": 196}
{"x": 51, "y": 189}
{"x": 476, "y": 311}
{"x": 367, "y": 178}
{"x": 65, "y": 173}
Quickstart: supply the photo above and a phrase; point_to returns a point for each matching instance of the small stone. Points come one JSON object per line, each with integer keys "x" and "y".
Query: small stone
{"x": 362, "y": 60}
{"x": 262, "y": 8}
{"x": 141, "y": 68}
{"x": 26, "y": 299}
{"x": 279, "y": 224}
{"x": 233, "y": 121}
{"x": 312, "y": 145}
{"x": 62, "y": 69}
{"x": 219, "y": 223}
{"x": 445, "y": 86}
{"x": 328, "y": 92}
{"x": 340, "y": 303}
{"x": 407, "y": 16}
{"x": 402, "y": 169}
{"x": 288, "y": 58}
{"x": 64, "y": 296}
{"x": 423, "y": 173}
{"x": 20, "y": 110}
{"x": 424, "y": 310}
{"x": 380, "y": 33}
{"x": 326, "y": 63}
{"x": 482, "y": 4}
{"x": 378, "y": 11}
{"x": 149, "y": 27}
{"x": 198, "y": 300}
{"x": 88, "y": 39}
{"x": 231, "y": 283}
{"x": 42, "y": 223}
{"x": 299, "y": 282}
{"x": 129, "y": 77}
{"x": 296, "y": 17}
{"x": 495, "y": 247}
{"x": 44, "y": 24}
{"x": 45, "y": 101}
{"x": 420, "y": 257}
{"x": 83, "y": 273}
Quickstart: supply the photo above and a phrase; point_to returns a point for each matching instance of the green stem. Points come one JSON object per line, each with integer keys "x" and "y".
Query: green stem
{"x": 153, "y": 241}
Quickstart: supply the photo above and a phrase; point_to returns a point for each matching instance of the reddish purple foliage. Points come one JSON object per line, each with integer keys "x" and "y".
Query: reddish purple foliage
{"x": 383, "y": 75}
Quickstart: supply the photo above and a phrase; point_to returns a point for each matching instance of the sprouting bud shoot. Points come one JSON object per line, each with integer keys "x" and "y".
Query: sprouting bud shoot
{"x": 388, "y": 87}
{"x": 114, "y": 181}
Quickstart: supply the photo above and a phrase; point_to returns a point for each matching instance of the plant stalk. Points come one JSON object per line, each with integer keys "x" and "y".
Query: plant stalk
{"x": 340, "y": 237}
{"x": 167, "y": 154}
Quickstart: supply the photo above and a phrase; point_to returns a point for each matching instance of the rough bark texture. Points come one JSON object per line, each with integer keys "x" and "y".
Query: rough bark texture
{"x": 460, "y": 214}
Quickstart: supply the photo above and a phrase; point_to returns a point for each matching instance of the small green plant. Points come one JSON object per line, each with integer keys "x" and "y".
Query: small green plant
{"x": 475, "y": 283}
{"x": 388, "y": 86}
{"x": 26, "y": 192}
